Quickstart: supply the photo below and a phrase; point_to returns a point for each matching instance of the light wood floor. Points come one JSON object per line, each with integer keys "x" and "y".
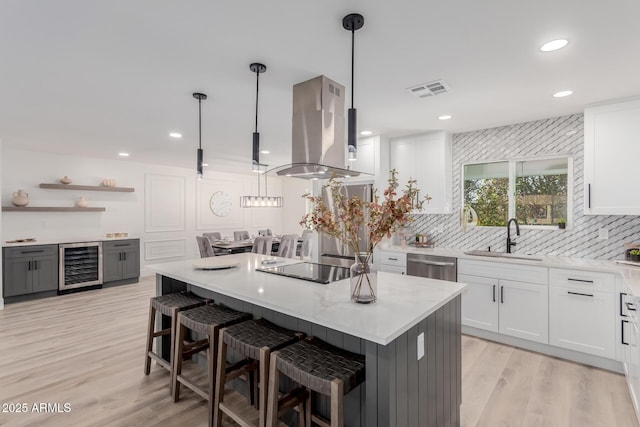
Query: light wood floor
{"x": 78, "y": 349}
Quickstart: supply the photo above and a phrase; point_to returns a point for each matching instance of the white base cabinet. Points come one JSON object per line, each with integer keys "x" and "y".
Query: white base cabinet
{"x": 392, "y": 262}
{"x": 524, "y": 310}
{"x": 583, "y": 321}
{"x": 511, "y": 308}
{"x": 582, "y": 311}
{"x": 479, "y": 308}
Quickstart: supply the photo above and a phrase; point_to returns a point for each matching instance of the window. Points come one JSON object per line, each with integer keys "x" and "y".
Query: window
{"x": 536, "y": 192}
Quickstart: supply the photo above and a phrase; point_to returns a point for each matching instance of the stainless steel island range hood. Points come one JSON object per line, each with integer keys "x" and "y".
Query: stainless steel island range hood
{"x": 318, "y": 137}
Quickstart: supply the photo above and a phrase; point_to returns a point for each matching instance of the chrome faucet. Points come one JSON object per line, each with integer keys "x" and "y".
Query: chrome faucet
{"x": 509, "y": 242}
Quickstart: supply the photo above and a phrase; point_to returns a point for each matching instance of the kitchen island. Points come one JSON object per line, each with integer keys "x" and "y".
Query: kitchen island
{"x": 410, "y": 337}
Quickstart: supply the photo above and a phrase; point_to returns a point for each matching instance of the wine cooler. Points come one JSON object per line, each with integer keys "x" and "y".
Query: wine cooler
{"x": 80, "y": 265}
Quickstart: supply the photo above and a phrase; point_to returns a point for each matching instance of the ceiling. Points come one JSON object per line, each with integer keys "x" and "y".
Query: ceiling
{"x": 96, "y": 78}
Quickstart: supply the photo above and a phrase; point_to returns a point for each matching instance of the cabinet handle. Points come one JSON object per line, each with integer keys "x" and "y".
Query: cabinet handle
{"x": 120, "y": 256}
{"x": 622, "y": 294}
{"x": 581, "y": 294}
{"x": 122, "y": 244}
{"x": 579, "y": 280}
{"x": 494, "y": 293}
{"x": 29, "y": 266}
{"x": 589, "y": 196}
{"x": 622, "y": 332}
{"x": 502, "y": 294}
{"x": 630, "y": 306}
{"x": 33, "y": 251}
{"x": 124, "y": 256}
{"x": 436, "y": 263}
{"x": 35, "y": 265}
{"x": 392, "y": 259}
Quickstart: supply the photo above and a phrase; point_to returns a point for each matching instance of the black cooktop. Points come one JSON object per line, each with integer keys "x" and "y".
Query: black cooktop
{"x": 319, "y": 273}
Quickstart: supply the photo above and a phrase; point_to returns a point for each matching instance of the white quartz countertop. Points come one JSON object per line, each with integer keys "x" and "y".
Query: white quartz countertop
{"x": 630, "y": 273}
{"x": 403, "y": 301}
{"x": 66, "y": 240}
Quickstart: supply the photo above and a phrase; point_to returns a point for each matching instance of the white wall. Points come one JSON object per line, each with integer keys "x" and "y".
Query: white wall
{"x": 125, "y": 212}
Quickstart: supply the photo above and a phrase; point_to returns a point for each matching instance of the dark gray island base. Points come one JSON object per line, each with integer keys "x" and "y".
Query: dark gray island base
{"x": 399, "y": 390}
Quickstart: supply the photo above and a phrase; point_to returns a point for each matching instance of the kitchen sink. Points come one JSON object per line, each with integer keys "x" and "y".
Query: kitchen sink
{"x": 502, "y": 255}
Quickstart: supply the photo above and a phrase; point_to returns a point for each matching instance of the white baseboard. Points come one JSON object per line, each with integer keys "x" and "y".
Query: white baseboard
{"x": 574, "y": 356}
{"x": 1, "y": 303}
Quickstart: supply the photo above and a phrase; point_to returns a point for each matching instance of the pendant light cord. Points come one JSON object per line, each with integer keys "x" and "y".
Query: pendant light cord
{"x": 257, "y": 89}
{"x": 199, "y": 123}
{"x": 353, "y": 41}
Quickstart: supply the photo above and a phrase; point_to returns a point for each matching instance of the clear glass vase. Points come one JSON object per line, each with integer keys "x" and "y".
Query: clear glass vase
{"x": 364, "y": 279}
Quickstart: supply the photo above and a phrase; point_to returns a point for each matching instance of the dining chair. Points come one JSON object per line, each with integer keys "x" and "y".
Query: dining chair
{"x": 213, "y": 236}
{"x": 240, "y": 235}
{"x": 205, "y": 247}
{"x": 288, "y": 244}
{"x": 266, "y": 232}
{"x": 304, "y": 250}
{"x": 262, "y": 245}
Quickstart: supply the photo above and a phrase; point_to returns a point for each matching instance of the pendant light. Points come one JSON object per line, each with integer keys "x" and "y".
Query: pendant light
{"x": 259, "y": 201}
{"x": 352, "y": 22}
{"x": 200, "y": 97}
{"x": 255, "y": 160}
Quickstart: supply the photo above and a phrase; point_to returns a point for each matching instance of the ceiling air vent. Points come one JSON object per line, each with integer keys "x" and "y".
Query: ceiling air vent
{"x": 426, "y": 90}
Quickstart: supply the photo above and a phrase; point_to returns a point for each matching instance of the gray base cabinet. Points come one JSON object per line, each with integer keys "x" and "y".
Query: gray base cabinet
{"x": 120, "y": 260}
{"x": 30, "y": 270}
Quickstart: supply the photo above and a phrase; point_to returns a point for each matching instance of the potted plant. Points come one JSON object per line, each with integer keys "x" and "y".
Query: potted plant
{"x": 635, "y": 254}
{"x": 562, "y": 223}
{"x": 381, "y": 217}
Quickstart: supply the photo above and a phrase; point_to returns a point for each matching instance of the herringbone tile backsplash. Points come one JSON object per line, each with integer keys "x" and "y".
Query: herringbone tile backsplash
{"x": 542, "y": 137}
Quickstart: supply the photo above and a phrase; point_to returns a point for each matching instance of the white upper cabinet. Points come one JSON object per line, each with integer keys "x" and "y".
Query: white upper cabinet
{"x": 366, "y": 159}
{"x": 366, "y": 156}
{"x": 426, "y": 158}
{"x": 611, "y": 153}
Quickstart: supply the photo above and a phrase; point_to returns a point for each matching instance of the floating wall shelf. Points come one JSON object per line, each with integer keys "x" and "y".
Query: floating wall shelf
{"x": 86, "y": 187}
{"x": 49, "y": 209}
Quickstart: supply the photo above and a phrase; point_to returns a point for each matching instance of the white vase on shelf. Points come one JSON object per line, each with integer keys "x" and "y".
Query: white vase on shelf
{"x": 82, "y": 202}
{"x": 20, "y": 198}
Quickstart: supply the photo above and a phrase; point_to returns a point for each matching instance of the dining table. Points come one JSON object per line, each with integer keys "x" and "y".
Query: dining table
{"x": 239, "y": 246}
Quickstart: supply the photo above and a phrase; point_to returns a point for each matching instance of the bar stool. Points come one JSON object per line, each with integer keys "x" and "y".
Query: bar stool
{"x": 254, "y": 339}
{"x": 169, "y": 305}
{"x": 206, "y": 320}
{"x": 320, "y": 368}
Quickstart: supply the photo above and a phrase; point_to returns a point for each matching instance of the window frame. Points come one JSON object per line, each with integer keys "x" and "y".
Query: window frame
{"x": 512, "y": 183}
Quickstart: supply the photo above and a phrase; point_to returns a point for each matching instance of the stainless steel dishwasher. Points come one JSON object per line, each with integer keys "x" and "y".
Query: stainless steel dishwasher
{"x": 433, "y": 267}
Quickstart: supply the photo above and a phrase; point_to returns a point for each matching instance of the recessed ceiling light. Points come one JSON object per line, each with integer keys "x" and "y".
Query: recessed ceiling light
{"x": 554, "y": 45}
{"x": 205, "y": 164}
{"x": 265, "y": 152}
{"x": 562, "y": 94}
{"x": 123, "y": 154}
{"x": 366, "y": 133}
{"x": 175, "y": 135}
{"x": 444, "y": 117}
